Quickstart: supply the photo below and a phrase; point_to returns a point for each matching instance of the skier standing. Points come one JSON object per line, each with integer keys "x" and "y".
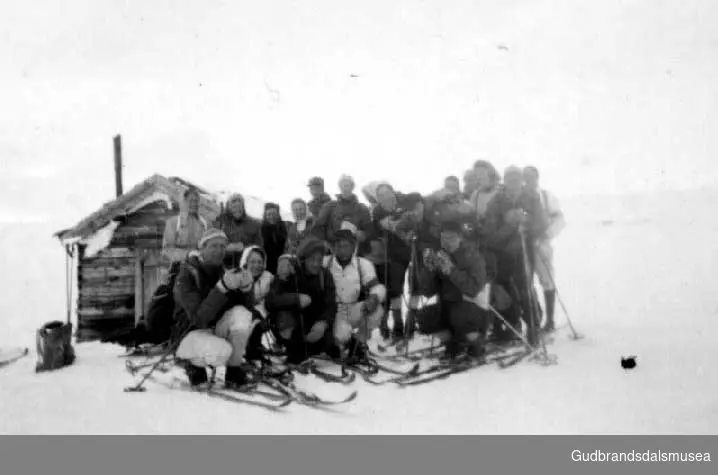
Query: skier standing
{"x": 543, "y": 260}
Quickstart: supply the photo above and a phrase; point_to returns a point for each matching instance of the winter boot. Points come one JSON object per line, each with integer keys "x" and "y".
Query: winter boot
{"x": 410, "y": 325}
{"x": 235, "y": 377}
{"x": 384, "y": 330}
{"x": 476, "y": 347}
{"x": 197, "y": 375}
{"x": 397, "y": 332}
{"x": 550, "y": 298}
{"x": 357, "y": 352}
{"x": 254, "y": 351}
{"x": 454, "y": 350}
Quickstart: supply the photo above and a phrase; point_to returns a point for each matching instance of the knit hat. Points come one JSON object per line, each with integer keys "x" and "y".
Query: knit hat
{"x": 249, "y": 250}
{"x": 309, "y": 247}
{"x": 316, "y": 181}
{"x": 211, "y": 233}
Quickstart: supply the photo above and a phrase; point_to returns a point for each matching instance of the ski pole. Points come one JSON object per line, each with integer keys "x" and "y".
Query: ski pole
{"x": 529, "y": 346}
{"x": 575, "y": 334}
{"x": 170, "y": 350}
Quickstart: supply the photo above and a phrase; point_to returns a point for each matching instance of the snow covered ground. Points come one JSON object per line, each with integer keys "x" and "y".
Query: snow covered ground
{"x": 637, "y": 274}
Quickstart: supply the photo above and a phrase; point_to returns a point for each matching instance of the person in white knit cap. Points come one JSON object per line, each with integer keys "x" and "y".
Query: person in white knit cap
{"x": 359, "y": 296}
{"x": 205, "y": 293}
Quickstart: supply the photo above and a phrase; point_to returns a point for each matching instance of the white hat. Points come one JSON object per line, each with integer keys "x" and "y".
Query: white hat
{"x": 209, "y": 234}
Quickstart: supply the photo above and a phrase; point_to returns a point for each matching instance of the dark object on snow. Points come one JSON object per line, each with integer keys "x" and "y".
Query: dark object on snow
{"x": 628, "y": 363}
{"x": 54, "y": 346}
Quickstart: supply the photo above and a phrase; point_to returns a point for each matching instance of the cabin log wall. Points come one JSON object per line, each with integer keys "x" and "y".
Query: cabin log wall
{"x": 111, "y": 298}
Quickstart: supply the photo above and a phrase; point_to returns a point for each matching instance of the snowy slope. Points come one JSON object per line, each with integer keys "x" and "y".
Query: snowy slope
{"x": 642, "y": 285}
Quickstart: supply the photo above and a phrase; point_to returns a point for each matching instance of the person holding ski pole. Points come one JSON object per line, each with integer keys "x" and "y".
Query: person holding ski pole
{"x": 543, "y": 262}
{"x": 459, "y": 273}
{"x": 359, "y": 296}
{"x": 512, "y": 210}
{"x": 302, "y": 304}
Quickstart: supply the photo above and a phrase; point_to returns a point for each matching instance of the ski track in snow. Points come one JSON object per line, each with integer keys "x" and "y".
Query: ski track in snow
{"x": 643, "y": 286}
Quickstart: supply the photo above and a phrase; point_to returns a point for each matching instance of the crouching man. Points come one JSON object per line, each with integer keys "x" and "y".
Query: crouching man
{"x": 359, "y": 296}
{"x": 302, "y": 303}
{"x": 206, "y": 296}
{"x": 458, "y": 271}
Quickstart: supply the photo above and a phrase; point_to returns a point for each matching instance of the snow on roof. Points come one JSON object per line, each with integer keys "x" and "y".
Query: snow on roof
{"x": 157, "y": 188}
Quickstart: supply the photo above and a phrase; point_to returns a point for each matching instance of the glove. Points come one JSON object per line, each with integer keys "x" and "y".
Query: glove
{"x": 317, "y": 332}
{"x": 304, "y": 300}
{"x": 444, "y": 262}
{"x": 371, "y": 304}
{"x": 430, "y": 260}
{"x": 235, "y": 280}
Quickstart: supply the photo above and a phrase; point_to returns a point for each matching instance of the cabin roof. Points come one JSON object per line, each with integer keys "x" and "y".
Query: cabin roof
{"x": 173, "y": 187}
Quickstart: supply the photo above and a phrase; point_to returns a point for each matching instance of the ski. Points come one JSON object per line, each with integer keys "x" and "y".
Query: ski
{"x": 224, "y": 394}
{"x": 133, "y": 367}
{"x": 144, "y": 350}
{"x": 345, "y": 378}
{"x": 398, "y": 375}
{"x": 304, "y": 397}
{"x": 13, "y": 357}
{"x": 413, "y": 355}
{"x": 443, "y": 371}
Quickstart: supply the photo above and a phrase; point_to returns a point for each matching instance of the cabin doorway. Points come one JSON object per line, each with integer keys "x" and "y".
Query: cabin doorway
{"x": 151, "y": 271}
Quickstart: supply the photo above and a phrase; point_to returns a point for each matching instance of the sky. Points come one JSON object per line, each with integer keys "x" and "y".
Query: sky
{"x": 604, "y": 97}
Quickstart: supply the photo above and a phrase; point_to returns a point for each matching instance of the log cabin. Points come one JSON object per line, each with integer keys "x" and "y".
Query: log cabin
{"x": 115, "y": 255}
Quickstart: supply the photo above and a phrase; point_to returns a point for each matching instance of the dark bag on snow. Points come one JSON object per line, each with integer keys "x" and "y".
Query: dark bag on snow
{"x": 54, "y": 346}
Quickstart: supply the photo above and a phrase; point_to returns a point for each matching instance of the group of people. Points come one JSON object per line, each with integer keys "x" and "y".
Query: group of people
{"x": 326, "y": 281}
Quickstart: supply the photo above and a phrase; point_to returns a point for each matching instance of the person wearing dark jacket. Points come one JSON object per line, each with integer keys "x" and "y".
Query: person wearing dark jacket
{"x": 274, "y": 235}
{"x": 395, "y": 219}
{"x": 300, "y": 228}
{"x": 241, "y": 230}
{"x": 302, "y": 304}
{"x": 205, "y": 294}
{"x": 319, "y": 197}
{"x": 460, "y": 275}
{"x": 346, "y": 212}
{"x": 513, "y": 215}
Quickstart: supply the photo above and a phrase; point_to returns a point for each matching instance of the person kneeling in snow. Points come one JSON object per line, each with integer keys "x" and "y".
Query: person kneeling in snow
{"x": 254, "y": 260}
{"x": 302, "y": 303}
{"x": 459, "y": 274}
{"x": 215, "y": 329}
{"x": 359, "y": 296}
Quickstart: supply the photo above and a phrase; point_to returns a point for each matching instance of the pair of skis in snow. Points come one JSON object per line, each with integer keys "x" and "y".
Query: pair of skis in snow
{"x": 269, "y": 391}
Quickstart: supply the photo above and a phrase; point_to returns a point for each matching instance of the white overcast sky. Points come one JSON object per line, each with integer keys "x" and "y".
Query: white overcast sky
{"x": 604, "y": 96}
